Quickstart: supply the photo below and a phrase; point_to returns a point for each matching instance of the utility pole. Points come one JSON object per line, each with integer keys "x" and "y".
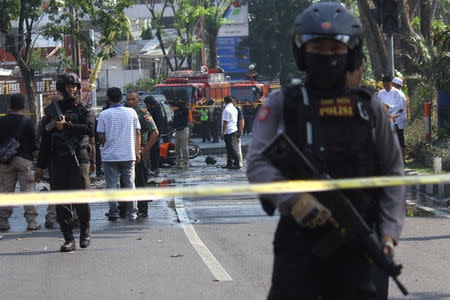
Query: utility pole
{"x": 390, "y": 54}
{"x": 390, "y": 26}
{"x": 386, "y": 15}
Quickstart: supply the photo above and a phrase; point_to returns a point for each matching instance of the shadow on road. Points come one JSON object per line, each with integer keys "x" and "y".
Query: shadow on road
{"x": 425, "y": 238}
{"x": 424, "y": 296}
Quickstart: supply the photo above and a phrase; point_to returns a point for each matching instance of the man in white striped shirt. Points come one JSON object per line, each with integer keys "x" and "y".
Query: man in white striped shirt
{"x": 119, "y": 131}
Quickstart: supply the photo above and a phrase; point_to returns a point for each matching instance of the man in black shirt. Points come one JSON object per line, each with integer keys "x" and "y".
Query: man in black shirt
{"x": 65, "y": 151}
{"x": 21, "y": 166}
{"x": 181, "y": 125}
{"x": 155, "y": 111}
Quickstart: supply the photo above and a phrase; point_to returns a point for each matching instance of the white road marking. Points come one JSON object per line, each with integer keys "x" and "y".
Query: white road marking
{"x": 208, "y": 258}
{"x": 429, "y": 209}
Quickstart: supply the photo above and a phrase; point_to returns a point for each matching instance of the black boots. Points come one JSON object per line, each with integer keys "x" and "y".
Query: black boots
{"x": 85, "y": 239}
{"x": 85, "y": 236}
{"x": 69, "y": 244}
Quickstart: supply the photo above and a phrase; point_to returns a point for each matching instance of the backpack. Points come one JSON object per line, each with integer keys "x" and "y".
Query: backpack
{"x": 10, "y": 147}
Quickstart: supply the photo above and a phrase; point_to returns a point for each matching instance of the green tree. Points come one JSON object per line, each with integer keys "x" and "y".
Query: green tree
{"x": 185, "y": 43}
{"x": 26, "y": 15}
{"x": 108, "y": 17}
{"x": 214, "y": 18}
{"x": 38, "y": 63}
{"x": 147, "y": 33}
{"x": 187, "y": 14}
{"x": 20, "y": 43}
{"x": 157, "y": 17}
{"x": 270, "y": 39}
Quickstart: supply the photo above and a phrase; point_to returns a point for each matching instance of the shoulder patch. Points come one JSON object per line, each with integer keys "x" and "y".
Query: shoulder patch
{"x": 147, "y": 117}
{"x": 263, "y": 113}
{"x": 143, "y": 110}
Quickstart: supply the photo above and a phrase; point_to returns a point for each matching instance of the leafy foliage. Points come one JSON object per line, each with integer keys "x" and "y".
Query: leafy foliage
{"x": 424, "y": 152}
{"x": 109, "y": 16}
{"x": 37, "y": 62}
{"x": 431, "y": 59}
{"x": 214, "y": 17}
{"x": 147, "y": 33}
{"x": 270, "y": 39}
{"x": 145, "y": 85}
{"x": 187, "y": 14}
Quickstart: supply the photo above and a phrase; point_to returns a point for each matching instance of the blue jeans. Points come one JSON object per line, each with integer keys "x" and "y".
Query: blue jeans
{"x": 113, "y": 171}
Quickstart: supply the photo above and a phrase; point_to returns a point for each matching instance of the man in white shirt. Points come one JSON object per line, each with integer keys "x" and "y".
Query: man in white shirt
{"x": 229, "y": 130}
{"x": 396, "y": 107}
{"x": 119, "y": 131}
{"x": 401, "y": 119}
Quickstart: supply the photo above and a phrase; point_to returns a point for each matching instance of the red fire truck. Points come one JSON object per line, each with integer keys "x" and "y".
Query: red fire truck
{"x": 194, "y": 87}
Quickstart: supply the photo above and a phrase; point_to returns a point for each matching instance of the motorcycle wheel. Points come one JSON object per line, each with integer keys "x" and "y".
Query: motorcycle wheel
{"x": 194, "y": 150}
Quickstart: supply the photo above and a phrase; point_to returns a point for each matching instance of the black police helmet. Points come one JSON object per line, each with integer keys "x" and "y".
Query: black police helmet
{"x": 327, "y": 20}
{"x": 150, "y": 100}
{"x": 65, "y": 79}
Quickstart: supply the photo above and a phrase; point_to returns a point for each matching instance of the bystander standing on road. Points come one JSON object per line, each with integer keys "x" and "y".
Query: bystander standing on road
{"x": 248, "y": 110}
{"x": 215, "y": 117}
{"x": 229, "y": 131}
{"x": 64, "y": 151}
{"x": 50, "y": 216}
{"x": 118, "y": 130}
{"x": 155, "y": 111}
{"x": 204, "y": 123}
{"x": 401, "y": 119}
{"x": 149, "y": 135}
{"x": 238, "y": 136}
{"x": 20, "y": 167}
{"x": 181, "y": 125}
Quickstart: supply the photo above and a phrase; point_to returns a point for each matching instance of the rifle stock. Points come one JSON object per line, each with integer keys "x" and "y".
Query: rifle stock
{"x": 285, "y": 156}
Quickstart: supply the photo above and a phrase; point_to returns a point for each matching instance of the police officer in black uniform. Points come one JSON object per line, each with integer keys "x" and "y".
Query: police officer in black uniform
{"x": 65, "y": 152}
{"x": 347, "y": 134}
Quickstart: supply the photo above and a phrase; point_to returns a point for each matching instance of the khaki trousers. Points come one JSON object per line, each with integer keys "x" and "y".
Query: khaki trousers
{"x": 18, "y": 170}
{"x": 182, "y": 148}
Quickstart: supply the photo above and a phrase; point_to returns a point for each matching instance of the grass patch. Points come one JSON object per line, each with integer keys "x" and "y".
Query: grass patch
{"x": 414, "y": 165}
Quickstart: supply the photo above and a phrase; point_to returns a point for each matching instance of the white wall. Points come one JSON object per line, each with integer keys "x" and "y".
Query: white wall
{"x": 117, "y": 76}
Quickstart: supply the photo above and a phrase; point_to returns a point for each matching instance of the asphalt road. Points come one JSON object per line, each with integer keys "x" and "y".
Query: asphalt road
{"x": 192, "y": 248}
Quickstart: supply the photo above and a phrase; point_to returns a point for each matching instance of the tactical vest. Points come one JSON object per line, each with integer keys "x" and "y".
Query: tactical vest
{"x": 338, "y": 136}
{"x": 59, "y": 140}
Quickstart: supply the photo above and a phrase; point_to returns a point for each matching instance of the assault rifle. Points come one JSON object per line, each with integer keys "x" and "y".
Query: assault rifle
{"x": 286, "y": 157}
{"x": 54, "y": 112}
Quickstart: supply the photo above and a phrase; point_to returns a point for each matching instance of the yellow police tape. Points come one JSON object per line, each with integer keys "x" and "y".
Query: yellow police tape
{"x": 294, "y": 186}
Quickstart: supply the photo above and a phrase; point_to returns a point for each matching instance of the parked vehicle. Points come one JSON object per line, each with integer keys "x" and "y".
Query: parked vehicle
{"x": 168, "y": 155}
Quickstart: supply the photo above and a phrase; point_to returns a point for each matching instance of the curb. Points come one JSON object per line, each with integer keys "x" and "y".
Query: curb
{"x": 437, "y": 189}
{"x": 220, "y": 150}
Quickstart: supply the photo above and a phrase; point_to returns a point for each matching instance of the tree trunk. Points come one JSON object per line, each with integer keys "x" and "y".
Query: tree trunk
{"x": 425, "y": 19}
{"x": 375, "y": 40}
{"x": 189, "y": 61}
{"x": 405, "y": 30}
{"x": 212, "y": 38}
{"x": 28, "y": 78}
{"x": 414, "y": 8}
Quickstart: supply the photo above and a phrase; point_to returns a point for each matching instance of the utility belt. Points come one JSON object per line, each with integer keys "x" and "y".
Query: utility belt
{"x": 232, "y": 134}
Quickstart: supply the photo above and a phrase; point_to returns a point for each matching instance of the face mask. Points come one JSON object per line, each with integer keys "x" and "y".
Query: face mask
{"x": 326, "y": 73}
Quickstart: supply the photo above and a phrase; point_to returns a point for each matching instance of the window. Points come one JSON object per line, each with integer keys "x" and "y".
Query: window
{"x": 133, "y": 64}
